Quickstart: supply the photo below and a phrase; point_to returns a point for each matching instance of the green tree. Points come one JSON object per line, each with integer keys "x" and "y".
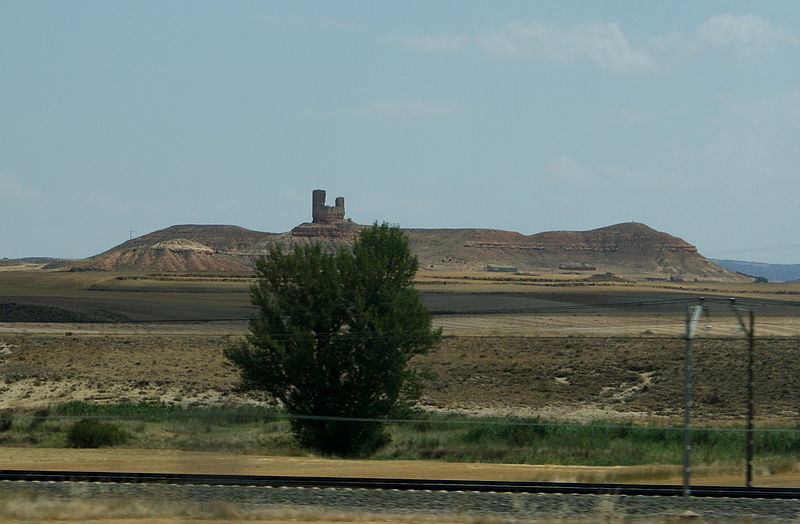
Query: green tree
{"x": 333, "y": 336}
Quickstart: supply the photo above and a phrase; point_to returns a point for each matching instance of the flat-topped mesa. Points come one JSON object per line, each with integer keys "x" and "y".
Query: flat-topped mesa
{"x": 322, "y": 214}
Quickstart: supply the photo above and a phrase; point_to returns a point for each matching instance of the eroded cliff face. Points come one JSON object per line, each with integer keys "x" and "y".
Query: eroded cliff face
{"x": 177, "y": 254}
{"x": 630, "y": 248}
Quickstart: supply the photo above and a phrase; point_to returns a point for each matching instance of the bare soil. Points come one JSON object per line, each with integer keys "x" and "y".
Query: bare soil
{"x": 562, "y": 377}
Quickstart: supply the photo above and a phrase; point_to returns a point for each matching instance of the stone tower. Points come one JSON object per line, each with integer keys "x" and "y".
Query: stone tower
{"x": 322, "y": 214}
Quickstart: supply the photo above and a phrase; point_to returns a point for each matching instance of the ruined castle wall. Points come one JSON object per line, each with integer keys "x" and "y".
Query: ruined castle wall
{"x": 320, "y": 213}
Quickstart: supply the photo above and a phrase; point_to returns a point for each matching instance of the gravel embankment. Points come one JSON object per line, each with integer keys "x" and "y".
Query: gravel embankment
{"x": 506, "y": 505}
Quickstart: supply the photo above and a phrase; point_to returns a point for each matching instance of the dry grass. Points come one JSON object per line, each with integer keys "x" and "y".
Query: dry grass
{"x": 576, "y": 378}
{"x": 654, "y": 325}
{"x": 454, "y": 281}
{"x": 21, "y": 267}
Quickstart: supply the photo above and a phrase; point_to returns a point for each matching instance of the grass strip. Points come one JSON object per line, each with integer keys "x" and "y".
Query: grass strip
{"x": 449, "y": 437}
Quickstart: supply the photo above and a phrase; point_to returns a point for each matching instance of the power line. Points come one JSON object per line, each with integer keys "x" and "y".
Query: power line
{"x": 503, "y": 421}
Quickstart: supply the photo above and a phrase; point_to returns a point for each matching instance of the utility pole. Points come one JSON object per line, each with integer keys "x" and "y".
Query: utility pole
{"x": 751, "y": 342}
{"x": 692, "y": 318}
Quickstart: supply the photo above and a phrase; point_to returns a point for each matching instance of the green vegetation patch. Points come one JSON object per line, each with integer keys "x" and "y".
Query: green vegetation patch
{"x": 93, "y": 433}
{"x": 511, "y": 440}
{"x": 536, "y": 441}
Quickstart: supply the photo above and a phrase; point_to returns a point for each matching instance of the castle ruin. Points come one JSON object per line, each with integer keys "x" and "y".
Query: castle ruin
{"x": 322, "y": 214}
{"x": 326, "y": 221}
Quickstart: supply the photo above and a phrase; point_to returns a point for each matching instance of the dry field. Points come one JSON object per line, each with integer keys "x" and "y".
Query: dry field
{"x": 553, "y": 344}
{"x": 573, "y": 377}
{"x": 548, "y": 345}
{"x": 172, "y": 297}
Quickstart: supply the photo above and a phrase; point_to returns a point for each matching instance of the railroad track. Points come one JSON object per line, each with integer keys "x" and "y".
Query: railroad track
{"x": 574, "y": 488}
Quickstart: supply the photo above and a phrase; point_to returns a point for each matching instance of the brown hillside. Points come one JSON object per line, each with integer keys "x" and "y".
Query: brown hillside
{"x": 630, "y": 249}
{"x": 220, "y": 238}
{"x": 187, "y": 247}
{"x": 169, "y": 255}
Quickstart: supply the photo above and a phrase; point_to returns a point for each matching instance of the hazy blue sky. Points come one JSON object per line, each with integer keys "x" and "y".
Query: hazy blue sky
{"x": 526, "y": 116}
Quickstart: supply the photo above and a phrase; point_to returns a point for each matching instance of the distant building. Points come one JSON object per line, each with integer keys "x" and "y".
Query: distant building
{"x": 501, "y": 269}
{"x": 576, "y": 266}
{"x": 322, "y": 214}
{"x": 326, "y": 221}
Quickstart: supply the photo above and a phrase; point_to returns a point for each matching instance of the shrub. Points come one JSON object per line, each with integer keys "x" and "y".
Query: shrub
{"x": 512, "y": 431}
{"x": 39, "y": 417}
{"x": 92, "y": 433}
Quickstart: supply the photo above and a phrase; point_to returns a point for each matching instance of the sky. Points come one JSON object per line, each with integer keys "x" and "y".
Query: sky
{"x": 119, "y": 118}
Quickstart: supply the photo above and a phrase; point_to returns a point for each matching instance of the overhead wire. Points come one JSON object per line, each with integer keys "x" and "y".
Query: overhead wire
{"x": 499, "y": 421}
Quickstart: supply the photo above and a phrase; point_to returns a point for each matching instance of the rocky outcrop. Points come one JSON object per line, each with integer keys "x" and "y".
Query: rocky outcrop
{"x": 344, "y": 230}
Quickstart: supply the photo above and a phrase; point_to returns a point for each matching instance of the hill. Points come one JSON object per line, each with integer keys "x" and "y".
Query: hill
{"x": 220, "y": 238}
{"x": 627, "y": 248}
{"x": 772, "y": 272}
{"x": 630, "y": 249}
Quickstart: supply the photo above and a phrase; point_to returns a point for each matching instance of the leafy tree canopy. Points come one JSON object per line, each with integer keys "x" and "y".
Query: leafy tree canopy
{"x": 333, "y": 336}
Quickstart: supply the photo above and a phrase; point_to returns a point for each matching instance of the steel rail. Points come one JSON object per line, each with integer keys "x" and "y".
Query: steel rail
{"x": 400, "y": 484}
